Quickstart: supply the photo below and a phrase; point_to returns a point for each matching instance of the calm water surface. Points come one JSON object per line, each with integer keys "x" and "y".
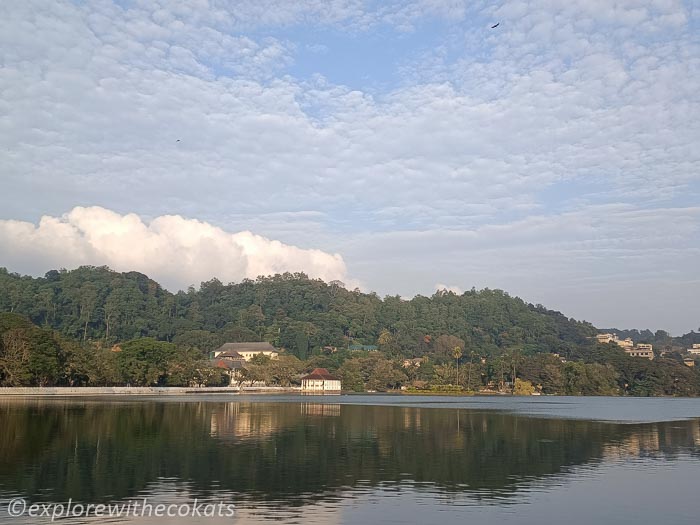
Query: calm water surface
{"x": 358, "y": 459}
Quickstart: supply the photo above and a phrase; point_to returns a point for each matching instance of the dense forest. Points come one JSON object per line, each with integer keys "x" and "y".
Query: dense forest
{"x": 478, "y": 339}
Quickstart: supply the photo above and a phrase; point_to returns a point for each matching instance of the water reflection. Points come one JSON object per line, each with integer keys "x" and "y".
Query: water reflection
{"x": 304, "y": 455}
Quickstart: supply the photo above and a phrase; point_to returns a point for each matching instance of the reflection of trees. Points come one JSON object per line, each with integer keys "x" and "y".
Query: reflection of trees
{"x": 98, "y": 451}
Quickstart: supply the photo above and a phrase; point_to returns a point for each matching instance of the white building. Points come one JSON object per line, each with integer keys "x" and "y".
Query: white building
{"x": 695, "y": 349}
{"x": 641, "y": 350}
{"x": 320, "y": 380}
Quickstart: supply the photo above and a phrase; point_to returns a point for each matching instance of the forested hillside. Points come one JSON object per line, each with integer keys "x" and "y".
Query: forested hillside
{"x": 93, "y": 326}
{"x": 290, "y": 311}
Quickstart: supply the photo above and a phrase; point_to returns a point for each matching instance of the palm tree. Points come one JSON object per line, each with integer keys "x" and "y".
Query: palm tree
{"x": 469, "y": 376}
{"x": 457, "y": 353}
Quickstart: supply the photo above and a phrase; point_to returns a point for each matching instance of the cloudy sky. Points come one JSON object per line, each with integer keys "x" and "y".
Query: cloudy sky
{"x": 398, "y": 146}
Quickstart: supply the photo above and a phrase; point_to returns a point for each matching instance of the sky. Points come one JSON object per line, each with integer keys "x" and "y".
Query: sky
{"x": 399, "y": 147}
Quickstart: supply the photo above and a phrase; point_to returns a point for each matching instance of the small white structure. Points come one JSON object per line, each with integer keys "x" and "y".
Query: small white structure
{"x": 320, "y": 380}
{"x": 695, "y": 349}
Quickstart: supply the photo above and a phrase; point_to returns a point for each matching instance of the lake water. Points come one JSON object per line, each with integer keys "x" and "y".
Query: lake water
{"x": 352, "y": 459}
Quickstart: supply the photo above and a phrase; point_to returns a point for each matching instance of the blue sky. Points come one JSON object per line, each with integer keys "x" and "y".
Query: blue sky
{"x": 397, "y": 146}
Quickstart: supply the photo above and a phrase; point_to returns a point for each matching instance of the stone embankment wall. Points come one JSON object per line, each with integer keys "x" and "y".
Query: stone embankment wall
{"x": 134, "y": 390}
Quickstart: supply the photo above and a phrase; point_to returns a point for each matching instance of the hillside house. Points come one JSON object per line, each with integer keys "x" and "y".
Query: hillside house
{"x": 641, "y": 350}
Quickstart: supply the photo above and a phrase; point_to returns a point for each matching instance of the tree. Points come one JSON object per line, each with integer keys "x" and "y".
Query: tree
{"x": 88, "y": 301}
{"x": 457, "y": 354}
{"x": 285, "y": 370}
{"x": 145, "y": 361}
{"x": 29, "y": 355}
{"x": 445, "y": 374}
{"x": 186, "y": 367}
{"x": 14, "y": 358}
{"x": 445, "y": 345}
{"x": 523, "y": 388}
{"x": 351, "y": 376}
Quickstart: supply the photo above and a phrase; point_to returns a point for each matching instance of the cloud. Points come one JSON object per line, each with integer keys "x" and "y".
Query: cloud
{"x": 449, "y": 288}
{"x": 551, "y": 157}
{"x": 170, "y": 249}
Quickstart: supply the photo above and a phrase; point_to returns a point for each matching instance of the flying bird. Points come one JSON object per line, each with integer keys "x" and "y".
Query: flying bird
{"x": 495, "y": 25}
{"x": 178, "y": 140}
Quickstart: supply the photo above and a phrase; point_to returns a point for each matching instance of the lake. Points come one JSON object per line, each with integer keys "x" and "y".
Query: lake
{"x": 355, "y": 459}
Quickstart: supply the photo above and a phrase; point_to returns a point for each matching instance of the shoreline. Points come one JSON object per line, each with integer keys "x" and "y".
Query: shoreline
{"x": 92, "y": 391}
{"x": 167, "y": 392}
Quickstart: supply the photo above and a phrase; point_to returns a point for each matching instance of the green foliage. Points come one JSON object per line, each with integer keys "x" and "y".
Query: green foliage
{"x": 148, "y": 362}
{"x": 372, "y": 372}
{"x": 289, "y": 310}
{"x": 523, "y": 388}
{"x": 143, "y": 362}
{"x": 29, "y": 355}
{"x": 62, "y": 327}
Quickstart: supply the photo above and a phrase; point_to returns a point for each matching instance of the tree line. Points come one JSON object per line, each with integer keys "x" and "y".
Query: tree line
{"x": 94, "y": 326}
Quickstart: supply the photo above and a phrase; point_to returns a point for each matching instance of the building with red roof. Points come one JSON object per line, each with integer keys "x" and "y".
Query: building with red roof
{"x": 320, "y": 380}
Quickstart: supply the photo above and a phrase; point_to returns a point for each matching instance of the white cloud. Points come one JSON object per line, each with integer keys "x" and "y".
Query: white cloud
{"x": 557, "y": 151}
{"x": 170, "y": 249}
{"x": 449, "y": 288}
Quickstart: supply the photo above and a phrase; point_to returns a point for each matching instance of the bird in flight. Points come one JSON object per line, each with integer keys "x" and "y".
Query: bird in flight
{"x": 178, "y": 140}
{"x": 495, "y": 25}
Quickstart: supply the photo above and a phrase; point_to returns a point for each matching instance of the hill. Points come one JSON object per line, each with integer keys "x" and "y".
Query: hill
{"x": 290, "y": 311}
{"x": 94, "y": 326}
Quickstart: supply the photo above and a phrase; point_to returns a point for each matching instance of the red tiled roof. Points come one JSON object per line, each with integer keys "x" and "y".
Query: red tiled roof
{"x": 229, "y": 365}
{"x": 320, "y": 373}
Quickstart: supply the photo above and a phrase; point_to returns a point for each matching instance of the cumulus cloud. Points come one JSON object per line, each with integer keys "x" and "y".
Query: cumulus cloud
{"x": 170, "y": 249}
{"x": 449, "y": 288}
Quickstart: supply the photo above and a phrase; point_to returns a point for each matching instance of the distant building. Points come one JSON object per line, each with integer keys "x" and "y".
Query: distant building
{"x": 320, "y": 380}
{"x": 247, "y": 350}
{"x": 232, "y": 362}
{"x": 625, "y": 343}
{"x": 235, "y": 370}
{"x": 689, "y": 362}
{"x": 641, "y": 350}
{"x": 695, "y": 349}
{"x": 612, "y": 338}
{"x": 606, "y": 338}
